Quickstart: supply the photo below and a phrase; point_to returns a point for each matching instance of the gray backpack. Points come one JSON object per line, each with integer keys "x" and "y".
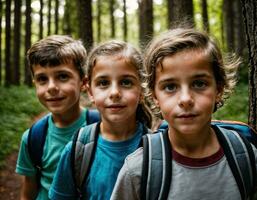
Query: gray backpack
{"x": 82, "y": 154}
{"x": 157, "y": 169}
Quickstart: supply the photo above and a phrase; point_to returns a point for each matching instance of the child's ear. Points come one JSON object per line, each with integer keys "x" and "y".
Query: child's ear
{"x": 89, "y": 91}
{"x": 83, "y": 87}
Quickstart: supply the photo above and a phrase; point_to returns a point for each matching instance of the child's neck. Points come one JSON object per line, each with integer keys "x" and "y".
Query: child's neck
{"x": 64, "y": 120}
{"x": 199, "y": 146}
{"x": 117, "y": 131}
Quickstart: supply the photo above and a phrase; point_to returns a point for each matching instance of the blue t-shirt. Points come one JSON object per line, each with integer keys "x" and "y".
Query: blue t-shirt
{"x": 108, "y": 160}
{"x": 56, "y": 140}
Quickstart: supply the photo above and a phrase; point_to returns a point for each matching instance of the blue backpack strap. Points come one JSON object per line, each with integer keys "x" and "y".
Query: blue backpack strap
{"x": 156, "y": 170}
{"x": 36, "y": 140}
{"x": 92, "y": 116}
{"x": 241, "y": 160}
{"x": 82, "y": 153}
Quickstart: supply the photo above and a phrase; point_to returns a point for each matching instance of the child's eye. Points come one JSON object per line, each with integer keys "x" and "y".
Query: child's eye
{"x": 126, "y": 83}
{"x": 102, "y": 83}
{"x": 41, "y": 79}
{"x": 199, "y": 84}
{"x": 63, "y": 77}
{"x": 171, "y": 87}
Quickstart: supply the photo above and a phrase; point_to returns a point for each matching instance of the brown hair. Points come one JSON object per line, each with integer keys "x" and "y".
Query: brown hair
{"x": 133, "y": 57}
{"x": 181, "y": 39}
{"x": 55, "y": 50}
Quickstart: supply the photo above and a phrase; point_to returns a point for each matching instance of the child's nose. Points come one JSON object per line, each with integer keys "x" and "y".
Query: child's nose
{"x": 115, "y": 92}
{"x": 186, "y": 99}
{"x": 52, "y": 86}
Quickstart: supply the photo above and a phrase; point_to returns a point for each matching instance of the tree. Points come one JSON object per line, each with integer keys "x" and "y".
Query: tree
{"x": 112, "y": 19}
{"x": 99, "y": 24}
{"x": 16, "y": 49}
{"x": 41, "y": 19}
{"x": 56, "y": 17}
{"x": 49, "y": 16}
{"x": 205, "y": 15}
{"x": 240, "y": 43}
{"x": 229, "y": 23}
{"x": 145, "y": 21}
{"x": 250, "y": 20}
{"x": 125, "y": 28}
{"x": 85, "y": 22}
{"x": 27, "y": 74}
{"x": 1, "y": 13}
{"x": 8, "y": 43}
{"x": 180, "y": 11}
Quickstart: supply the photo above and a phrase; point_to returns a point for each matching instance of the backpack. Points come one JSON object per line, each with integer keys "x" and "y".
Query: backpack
{"x": 37, "y": 135}
{"x": 82, "y": 153}
{"x": 157, "y": 169}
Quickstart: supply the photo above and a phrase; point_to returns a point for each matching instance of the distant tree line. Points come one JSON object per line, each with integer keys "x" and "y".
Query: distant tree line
{"x": 25, "y": 21}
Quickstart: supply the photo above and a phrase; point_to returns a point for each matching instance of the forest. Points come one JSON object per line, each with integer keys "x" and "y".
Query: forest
{"x": 232, "y": 23}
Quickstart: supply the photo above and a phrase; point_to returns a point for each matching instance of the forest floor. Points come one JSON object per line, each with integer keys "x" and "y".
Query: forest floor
{"x": 10, "y": 182}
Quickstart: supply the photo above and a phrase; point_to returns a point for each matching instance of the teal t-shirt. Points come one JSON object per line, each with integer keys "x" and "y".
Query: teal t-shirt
{"x": 56, "y": 140}
{"x": 108, "y": 160}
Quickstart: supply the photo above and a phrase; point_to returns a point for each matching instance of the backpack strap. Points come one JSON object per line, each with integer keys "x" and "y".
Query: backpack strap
{"x": 156, "y": 170}
{"x": 241, "y": 160}
{"x": 92, "y": 116}
{"x": 82, "y": 153}
{"x": 36, "y": 140}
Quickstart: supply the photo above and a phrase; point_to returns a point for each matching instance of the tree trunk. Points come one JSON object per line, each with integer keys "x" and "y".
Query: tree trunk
{"x": 145, "y": 21}
{"x": 56, "y": 17}
{"x": 27, "y": 73}
{"x": 67, "y": 19}
{"x": 240, "y": 42}
{"x": 229, "y": 23}
{"x": 99, "y": 24}
{"x": 181, "y": 12}
{"x": 49, "y": 17}
{"x": 205, "y": 15}
{"x": 112, "y": 20}
{"x": 85, "y": 22}
{"x": 250, "y": 20}
{"x": 41, "y": 19}
{"x": 1, "y": 13}
{"x": 8, "y": 79}
{"x": 125, "y": 28}
{"x": 17, "y": 41}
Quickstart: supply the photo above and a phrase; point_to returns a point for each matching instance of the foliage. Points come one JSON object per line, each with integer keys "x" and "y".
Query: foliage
{"x": 17, "y": 107}
{"x": 236, "y": 106}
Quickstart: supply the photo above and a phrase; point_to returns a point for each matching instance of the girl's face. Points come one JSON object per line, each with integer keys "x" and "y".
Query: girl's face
{"x": 58, "y": 88}
{"x": 115, "y": 89}
{"x": 186, "y": 92}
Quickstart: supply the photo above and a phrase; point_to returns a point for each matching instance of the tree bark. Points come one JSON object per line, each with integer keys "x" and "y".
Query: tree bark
{"x": 27, "y": 73}
{"x": 145, "y": 21}
{"x": 180, "y": 13}
{"x": 41, "y": 19}
{"x": 99, "y": 24}
{"x": 205, "y": 15}
{"x": 125, "y": 28}
{"x": 49, "y": 17}
{"x": 17, "y": 41}
{"x": 112, "y": 20}
{"x": 250, "y": 21}
{"x": 56, "y": 17}
{"x": 8, "y": 70}
{"x": 229, "y": 23}
{"x": 1, "y": 13}
{"x": 85, "y": 22}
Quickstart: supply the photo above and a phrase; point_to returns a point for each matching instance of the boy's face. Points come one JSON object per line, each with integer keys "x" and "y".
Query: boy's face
{"x": 115, "y": 89}
{"x": 185, "y": 90}
{"x": 58, "y": 88}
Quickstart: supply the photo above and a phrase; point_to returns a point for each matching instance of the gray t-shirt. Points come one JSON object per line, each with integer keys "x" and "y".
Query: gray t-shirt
{"x": 195, "y": 179}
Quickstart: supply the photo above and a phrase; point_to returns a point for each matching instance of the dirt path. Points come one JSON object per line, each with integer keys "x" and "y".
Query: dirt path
{"x": 10, "y": 182}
